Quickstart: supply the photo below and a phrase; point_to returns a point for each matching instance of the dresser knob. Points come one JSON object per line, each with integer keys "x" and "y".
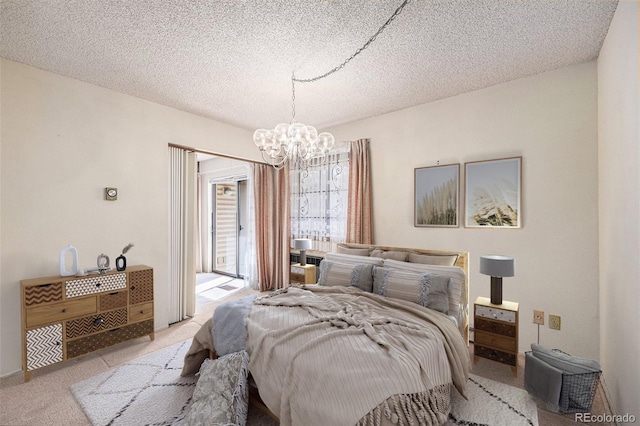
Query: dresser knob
{"x": 98, "y": 321}
{"x": 142, "y": 312}
{"x": 133, "y": 287}
{"x": 64, "y": 311}
{"x": 98, "y": 284}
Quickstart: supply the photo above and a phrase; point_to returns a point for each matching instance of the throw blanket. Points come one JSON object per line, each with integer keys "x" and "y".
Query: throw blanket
{"x": 341, "y": 356}
{"x": 228, "y": 330}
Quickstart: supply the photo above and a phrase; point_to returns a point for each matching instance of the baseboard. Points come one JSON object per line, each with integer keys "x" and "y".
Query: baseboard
{"x": 606, "y": 396}
{"x": 6, "y": 375}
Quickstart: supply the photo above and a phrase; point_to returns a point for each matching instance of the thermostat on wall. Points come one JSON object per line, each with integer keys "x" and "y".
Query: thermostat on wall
{"x": 111, "y": 194}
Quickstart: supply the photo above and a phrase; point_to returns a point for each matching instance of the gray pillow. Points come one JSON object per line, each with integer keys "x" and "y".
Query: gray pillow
{"x": 426, "y": 289}
{"x": 352, "y": 250}
{"x": 564, "y": 362}
{"x": 352, "y": 259}
{"x": 343, "y": 274}
{"x": 433, "y": 259}
{"x": 390, "y": 254}
{"x": 221, "y": 395}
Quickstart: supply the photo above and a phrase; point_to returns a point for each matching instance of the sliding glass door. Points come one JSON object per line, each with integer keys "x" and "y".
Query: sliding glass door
{"x": 227, "y": 236}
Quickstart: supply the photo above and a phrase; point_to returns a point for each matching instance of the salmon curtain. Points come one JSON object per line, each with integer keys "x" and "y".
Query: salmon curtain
{"x": 359, "y": 213}
{"x": 272, "y": 226}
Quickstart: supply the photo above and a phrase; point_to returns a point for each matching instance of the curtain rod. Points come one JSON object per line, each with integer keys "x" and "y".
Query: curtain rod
{"x": 202, "y": 151}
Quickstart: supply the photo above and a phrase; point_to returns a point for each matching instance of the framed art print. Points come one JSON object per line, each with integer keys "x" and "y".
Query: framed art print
{"x": 436, "y": 196}
{"x": 493, "y": 193}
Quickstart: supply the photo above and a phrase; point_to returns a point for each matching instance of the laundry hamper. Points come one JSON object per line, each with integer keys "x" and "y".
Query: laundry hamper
{"x": 564, "y": 382}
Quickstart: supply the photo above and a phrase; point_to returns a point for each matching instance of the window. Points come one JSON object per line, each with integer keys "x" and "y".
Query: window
{"x": 319, "y": 200}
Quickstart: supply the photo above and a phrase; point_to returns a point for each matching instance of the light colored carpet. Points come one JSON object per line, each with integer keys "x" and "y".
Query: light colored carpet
{"x": 146, "y": 391}
{"x": 150, "y": 390}
{"x": 492, "y": 403}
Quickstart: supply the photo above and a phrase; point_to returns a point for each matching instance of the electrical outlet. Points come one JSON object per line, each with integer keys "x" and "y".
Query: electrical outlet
{"x": 554, "y": 322}
{"x": 538, "y": 317}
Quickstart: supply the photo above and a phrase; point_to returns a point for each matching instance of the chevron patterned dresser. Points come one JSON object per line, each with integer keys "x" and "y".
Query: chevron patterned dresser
{"x": 66, "y": 317}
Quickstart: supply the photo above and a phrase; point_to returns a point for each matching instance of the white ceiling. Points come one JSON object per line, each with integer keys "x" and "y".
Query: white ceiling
{"x": 232, "y": 60}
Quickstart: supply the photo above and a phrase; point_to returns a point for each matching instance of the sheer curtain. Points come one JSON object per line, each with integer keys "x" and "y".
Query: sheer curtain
{"x": 272, "y": 227}
{"x": 250, "y": 253}
{"x": 359, "y": 213}
{"x": 319, "y": 199}
{"x": 182, "y": 229}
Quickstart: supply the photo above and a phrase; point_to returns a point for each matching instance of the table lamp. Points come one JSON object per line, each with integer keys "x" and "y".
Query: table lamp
{"x": 497, "y": 266}
{"x": 302, "y": 244}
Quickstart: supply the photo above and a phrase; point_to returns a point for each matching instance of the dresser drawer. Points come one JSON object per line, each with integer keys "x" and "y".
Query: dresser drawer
{"x": 44, "y": 346}
{"x": 495, "y": 341}
{"x": 113, "y": 300}
{"x": 140, "y": 286}
{"x": 495, "y": 327}
{"x": 95, "y": 323}
{"x": 44, "y": 314}
{"x": 141, "y": 312}
{"x": 95, "y": 284}
{"x": 44, "y": 293}
{"x": 98, "y": 341}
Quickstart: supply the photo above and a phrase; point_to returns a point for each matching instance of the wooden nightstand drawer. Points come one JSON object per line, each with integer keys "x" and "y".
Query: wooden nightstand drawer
{"x": 503, "y": 357}
{"x": 495, "y": 341}
{"x": 495, "y": 313}
{"x": 303, "y": 274}
{"x": 495, "y": 327}
{"x": 45, "y": 314}
{"x": 496, "y": 332}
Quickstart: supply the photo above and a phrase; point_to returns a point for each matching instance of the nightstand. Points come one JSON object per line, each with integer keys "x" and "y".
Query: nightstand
{"x": 303, "y": 274}
{"x": 495, "y": 332}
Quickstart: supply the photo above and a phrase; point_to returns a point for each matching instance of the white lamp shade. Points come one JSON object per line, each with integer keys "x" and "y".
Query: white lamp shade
{"x": 302, "y": 243}
{"x": 497, "y": 265}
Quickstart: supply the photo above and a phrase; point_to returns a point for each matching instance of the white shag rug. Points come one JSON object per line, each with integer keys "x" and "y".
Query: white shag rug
{"x": 150, "y": 391}
{"x": 492, "y": 403}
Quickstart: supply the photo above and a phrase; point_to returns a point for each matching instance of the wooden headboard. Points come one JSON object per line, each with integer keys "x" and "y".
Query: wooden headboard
{"x": 462, "y": 262}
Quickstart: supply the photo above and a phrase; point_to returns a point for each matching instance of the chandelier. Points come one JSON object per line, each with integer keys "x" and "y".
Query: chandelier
{"x": 297, "y": 142}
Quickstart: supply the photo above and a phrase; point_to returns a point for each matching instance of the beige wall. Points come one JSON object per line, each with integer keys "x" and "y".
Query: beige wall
{"x": 619, "y": 183}
{"x": 63, "y": 141}
{"x": 550, "y": 120}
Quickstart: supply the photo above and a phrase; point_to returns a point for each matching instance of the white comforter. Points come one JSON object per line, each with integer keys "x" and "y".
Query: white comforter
{"x": 340, "y": 356}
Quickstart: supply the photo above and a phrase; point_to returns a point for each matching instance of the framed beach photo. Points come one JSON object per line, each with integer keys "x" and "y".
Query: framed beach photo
{"x": 436, "y": 196}
{"x": 493, "y": 193}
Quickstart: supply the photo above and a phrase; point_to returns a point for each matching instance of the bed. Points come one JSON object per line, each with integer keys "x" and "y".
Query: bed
{"x": 381, "y": 339}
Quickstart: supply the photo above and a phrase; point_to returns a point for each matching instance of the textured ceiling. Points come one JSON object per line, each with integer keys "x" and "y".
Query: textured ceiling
{"x": 232, "y": 60}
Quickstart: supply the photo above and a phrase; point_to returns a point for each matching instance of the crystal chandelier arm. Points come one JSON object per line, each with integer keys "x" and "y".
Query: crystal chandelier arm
{"x": 302, "y": 143}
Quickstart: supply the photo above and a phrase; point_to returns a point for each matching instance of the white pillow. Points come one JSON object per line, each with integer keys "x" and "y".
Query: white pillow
{"x": 456, "y": 284}
{"x": 351, "y": 259}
